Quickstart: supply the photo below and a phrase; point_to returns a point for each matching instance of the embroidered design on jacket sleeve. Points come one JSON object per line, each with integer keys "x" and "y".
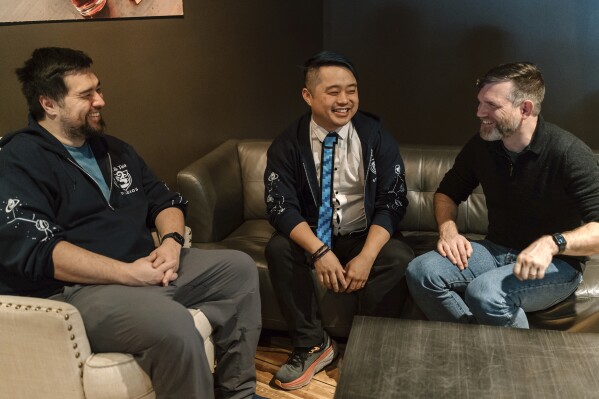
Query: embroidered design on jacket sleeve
{"x": 41, "y": 225}
{"x": 274, "y": 201}
{"x": 397, "y": 189}
{"x": 372, "y": 168}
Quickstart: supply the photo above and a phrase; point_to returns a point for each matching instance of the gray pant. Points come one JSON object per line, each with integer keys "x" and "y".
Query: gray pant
{"x": 153, "y": 324}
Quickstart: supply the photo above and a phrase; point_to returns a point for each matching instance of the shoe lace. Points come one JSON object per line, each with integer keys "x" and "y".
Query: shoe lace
{"x": 298, "y": 358}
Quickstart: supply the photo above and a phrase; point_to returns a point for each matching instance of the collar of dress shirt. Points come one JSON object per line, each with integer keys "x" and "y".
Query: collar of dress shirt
{"x": 321, "y": 132}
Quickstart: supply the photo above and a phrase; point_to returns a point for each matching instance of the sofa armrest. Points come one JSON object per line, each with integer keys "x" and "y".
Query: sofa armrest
{"x": 214, "y": 189}
{"x": 32, "y": 331}
{"x": 117, "y": 375}
{"x": 46, "y": 354}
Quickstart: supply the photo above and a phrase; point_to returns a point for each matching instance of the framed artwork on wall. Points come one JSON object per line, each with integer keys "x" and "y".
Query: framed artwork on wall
{"x": 24, "y": 11}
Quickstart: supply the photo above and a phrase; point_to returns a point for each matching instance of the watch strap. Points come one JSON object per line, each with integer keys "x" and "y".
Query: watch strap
{"x": 175, "y": 236}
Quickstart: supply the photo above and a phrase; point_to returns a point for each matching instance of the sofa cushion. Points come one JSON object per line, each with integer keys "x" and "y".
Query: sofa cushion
{"x": 115, "y": 376}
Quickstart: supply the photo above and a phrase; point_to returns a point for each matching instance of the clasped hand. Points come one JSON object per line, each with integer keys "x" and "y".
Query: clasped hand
{"x": 159, "y": 267}
{"x": 336, "y": 278}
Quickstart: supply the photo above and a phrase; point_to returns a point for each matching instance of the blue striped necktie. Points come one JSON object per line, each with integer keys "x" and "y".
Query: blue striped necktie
{"x": 325, "y": 212}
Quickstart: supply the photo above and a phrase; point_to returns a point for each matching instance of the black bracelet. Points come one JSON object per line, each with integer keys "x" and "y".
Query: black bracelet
{"x": 322, "y": 251}
{"x": 318, "y": 251}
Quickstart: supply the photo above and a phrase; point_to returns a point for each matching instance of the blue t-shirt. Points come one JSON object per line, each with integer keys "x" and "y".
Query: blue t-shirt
{"x": 86, "y": 159}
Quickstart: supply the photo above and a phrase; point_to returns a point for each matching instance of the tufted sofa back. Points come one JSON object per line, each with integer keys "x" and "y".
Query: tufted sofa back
{"x": 235, "y": 192}
{"x": 425, "y": 167}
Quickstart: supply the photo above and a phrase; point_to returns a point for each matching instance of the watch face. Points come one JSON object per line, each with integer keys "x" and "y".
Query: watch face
{"x": 560, "y": 241}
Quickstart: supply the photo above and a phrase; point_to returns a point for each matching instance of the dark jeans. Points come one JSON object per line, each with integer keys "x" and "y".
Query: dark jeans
{"x": 292, "y": 279}
{"x": 154, "y": 325}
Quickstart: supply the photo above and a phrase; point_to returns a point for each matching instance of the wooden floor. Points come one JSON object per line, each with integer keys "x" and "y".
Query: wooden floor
{"x": 273, "y": 351}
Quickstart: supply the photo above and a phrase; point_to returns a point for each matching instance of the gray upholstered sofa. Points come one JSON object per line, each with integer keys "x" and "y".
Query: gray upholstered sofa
{"x": 226, "y": 194}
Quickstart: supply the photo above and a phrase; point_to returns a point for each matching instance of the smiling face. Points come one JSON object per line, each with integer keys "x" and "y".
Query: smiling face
{"x": 332, "y": 94}
{"x": 499, "y": 117}
{"x": 79, "y": 111}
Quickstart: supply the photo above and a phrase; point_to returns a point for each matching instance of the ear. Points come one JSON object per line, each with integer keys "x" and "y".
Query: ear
{"x": 49, "y": 105}
{"x": 307, "y": 96}
{"x": 526, "y": 108}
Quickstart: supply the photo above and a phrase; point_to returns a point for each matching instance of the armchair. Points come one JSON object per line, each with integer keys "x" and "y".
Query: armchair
{"x": 46, "y": 354}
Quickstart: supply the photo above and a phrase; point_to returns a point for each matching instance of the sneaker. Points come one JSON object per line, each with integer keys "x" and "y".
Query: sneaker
{"x": 303, "y": 364}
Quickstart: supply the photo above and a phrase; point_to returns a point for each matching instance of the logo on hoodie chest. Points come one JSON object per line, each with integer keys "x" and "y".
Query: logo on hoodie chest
{"x": 123, "y": 179}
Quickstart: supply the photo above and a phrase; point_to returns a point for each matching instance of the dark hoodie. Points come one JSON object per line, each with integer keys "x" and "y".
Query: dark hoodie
{"x": 46, "y": 197}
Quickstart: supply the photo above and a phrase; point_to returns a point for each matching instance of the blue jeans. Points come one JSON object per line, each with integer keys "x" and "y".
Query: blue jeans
{"x": 486, "y": 292}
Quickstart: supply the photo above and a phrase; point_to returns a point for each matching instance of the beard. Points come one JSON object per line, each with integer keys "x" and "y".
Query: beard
{"x": 501, "y": 130}
{"x": 85, "y": 131}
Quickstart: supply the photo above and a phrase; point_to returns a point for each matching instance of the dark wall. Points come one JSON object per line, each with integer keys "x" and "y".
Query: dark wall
{"x": 176, "y": 88}
{"x": 419, "y": 60}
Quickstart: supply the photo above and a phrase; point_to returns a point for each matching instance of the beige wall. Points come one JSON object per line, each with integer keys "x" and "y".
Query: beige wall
{"x": 176, "y": 88}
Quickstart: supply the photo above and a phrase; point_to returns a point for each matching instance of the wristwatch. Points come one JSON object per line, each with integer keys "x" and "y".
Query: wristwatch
{"x": 175, "y": 236}
{"x": 560, "y": 241}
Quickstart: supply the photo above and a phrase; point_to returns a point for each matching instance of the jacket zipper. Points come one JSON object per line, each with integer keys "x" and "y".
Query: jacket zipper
{"x": 111, "y": 180}
{"x": 310, "y": 186}
{"x": 92, "y": 179}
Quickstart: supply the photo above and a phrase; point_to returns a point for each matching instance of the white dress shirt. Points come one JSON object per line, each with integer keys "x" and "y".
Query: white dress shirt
{"x": 348, "y": 177}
